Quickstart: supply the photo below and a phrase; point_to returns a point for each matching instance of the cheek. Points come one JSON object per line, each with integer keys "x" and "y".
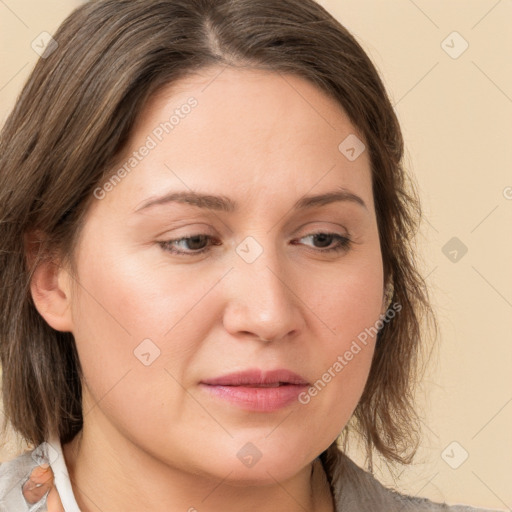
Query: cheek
{"x": 348, "y": 302}
{"x": 130, "y": 316}
{"x": 133, "y": 348}
{"x": 347, "y": 313}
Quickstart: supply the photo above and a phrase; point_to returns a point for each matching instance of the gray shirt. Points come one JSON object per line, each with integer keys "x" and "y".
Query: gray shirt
{"x": 356, "y": 490}
{"x": 353, "y": 489}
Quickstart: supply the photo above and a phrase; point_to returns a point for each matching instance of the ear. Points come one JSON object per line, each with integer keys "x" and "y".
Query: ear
{"x": 50, "y": 284}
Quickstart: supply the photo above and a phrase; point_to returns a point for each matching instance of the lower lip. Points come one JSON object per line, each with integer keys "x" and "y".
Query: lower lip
{"x": 257, "y": 399}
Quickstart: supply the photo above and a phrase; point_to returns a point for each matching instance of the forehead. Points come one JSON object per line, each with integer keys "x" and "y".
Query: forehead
{"x": 248, "y": 130}
{"x": 260, "y": 101}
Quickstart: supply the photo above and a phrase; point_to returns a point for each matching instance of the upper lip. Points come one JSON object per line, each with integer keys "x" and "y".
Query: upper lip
{"x": 257, "y": 377}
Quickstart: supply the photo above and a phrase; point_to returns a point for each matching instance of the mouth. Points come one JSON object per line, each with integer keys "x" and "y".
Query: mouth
{"x": 256, "y": 390}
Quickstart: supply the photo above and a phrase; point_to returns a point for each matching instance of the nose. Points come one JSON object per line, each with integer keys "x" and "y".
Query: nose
{"x": 261, "y": 301}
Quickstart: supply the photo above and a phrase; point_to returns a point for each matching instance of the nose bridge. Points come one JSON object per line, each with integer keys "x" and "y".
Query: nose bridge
{"x": 261, "y": 298}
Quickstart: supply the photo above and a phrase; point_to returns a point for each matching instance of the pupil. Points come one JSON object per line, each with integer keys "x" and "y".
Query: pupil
{"x": 193, "y": 240}
{"x": 323, "y": 238}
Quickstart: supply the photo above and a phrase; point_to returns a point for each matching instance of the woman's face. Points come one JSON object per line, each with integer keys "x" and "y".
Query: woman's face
{"x": 154, "y": 319}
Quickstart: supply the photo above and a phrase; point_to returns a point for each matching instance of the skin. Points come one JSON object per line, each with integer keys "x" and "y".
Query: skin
{"x": 153, "y": 439}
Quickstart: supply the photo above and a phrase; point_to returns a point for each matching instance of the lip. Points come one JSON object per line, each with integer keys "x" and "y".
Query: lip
{"x": 257, "y": 390}
{"x": 254, "y": 377}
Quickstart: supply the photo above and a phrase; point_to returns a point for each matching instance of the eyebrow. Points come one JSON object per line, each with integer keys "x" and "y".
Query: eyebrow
{"x": 226, "y": 204}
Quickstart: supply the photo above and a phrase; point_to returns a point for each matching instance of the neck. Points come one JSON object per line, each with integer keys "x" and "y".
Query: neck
{"x": 109, "y": 472}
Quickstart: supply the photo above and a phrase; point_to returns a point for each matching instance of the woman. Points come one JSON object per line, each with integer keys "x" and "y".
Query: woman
{"x": 206, "y": 235}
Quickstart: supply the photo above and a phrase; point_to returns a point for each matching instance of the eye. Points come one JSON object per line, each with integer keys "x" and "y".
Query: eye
{"x": 195, "y": 244}
{"x": 325, "y": 240}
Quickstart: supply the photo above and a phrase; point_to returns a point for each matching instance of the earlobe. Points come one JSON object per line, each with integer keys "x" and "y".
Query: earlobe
{"x": 49, "y": 286}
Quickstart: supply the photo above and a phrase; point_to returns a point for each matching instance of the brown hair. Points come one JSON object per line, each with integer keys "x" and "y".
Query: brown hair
{"x": 73, "y": 118}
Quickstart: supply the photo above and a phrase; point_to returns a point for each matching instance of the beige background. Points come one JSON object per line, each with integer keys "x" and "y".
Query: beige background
{"x": 456, "y": 117}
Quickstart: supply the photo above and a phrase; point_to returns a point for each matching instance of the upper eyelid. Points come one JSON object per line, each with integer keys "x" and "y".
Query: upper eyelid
{"x": 214, "y": 237}
{"x": 205, "y": 229}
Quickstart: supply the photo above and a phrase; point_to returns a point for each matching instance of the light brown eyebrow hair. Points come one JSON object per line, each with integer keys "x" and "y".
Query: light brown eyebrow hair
{"x": 226, "y": 204}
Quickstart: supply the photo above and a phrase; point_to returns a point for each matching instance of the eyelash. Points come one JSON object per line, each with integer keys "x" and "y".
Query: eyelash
{"x": 344, "y": 244}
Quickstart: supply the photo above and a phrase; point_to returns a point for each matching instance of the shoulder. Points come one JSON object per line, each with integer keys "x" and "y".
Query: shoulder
{"x": 13, "y": 475}
{"x": 357, "y": 490}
